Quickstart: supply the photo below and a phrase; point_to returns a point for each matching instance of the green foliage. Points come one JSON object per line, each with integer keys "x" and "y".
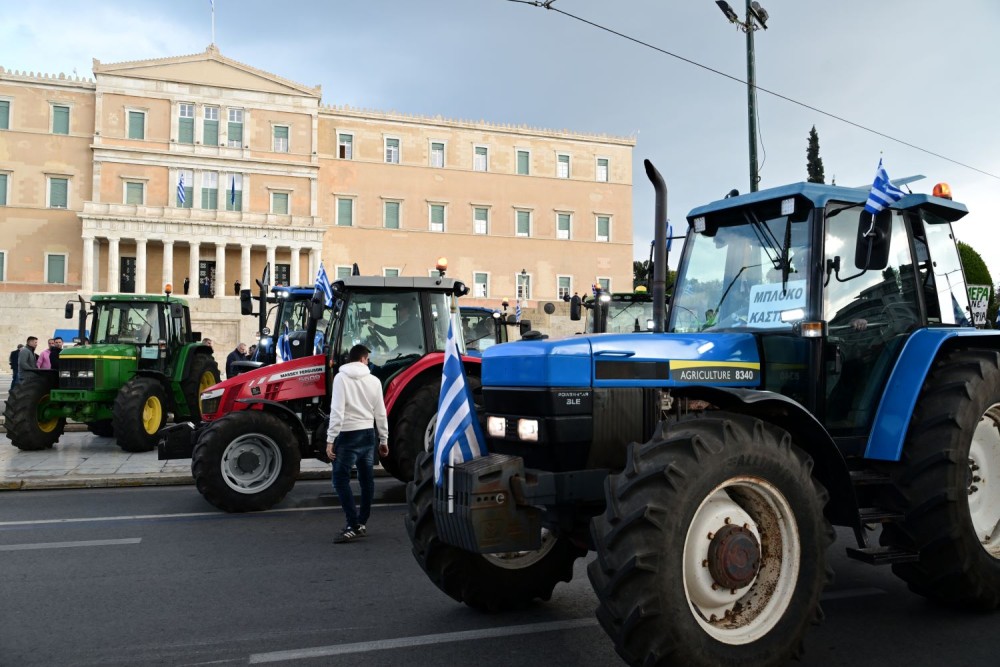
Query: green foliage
{"x": 814, "y": 163}
{"x": 642, "y": 274}
{"x": 977, "y": 273}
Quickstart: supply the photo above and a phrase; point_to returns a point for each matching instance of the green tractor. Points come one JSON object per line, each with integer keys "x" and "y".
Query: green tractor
{"x": 141, "y": 363}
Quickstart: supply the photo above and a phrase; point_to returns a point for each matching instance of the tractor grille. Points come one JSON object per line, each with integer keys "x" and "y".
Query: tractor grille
{"x": 76, "y": 373}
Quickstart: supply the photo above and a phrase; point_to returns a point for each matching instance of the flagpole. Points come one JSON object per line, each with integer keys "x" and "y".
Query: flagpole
{"x": 213, "y": 21}
{"x": 451, "y": 481}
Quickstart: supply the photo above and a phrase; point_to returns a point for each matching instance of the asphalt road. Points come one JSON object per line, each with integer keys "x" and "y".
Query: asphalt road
{"x": 157, "y": 576}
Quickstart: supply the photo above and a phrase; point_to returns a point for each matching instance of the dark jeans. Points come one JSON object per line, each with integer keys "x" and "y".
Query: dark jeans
{"x": 355, "y": 448}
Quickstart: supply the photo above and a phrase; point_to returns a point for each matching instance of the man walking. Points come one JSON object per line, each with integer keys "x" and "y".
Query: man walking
{"x": 356, "y": 404}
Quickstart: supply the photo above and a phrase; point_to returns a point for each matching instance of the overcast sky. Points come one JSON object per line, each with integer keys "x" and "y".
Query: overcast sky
{"x": 921, "y": 71}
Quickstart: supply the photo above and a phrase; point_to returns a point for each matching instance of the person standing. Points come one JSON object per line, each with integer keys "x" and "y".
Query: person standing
{"x": 43, "y": 358}
{"x": 13, "y": 363}
{"x": 54, "y": 352}
{"x": 238, "y": 354}
{"x": 236, "y": 288}
{"x": 355, "y": 405}
{"x": 27, "y": 360}
{"x": 187, "y": 284}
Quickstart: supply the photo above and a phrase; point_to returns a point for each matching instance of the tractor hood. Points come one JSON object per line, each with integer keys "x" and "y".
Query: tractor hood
{"x": 613, "y": 360}
{"x": 109, "y": 351}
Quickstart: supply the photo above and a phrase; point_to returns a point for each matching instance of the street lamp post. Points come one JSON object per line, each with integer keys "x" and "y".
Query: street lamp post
{"x": 756, "y": 18}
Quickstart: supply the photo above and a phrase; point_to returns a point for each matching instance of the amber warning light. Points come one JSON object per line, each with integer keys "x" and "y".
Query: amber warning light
{"x": 168, "y": 288}
{"x": 942, "y": 190}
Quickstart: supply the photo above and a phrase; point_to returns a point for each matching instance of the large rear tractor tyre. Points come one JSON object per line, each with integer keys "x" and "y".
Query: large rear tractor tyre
{"x": 139, "y": 413}
{"x": 247, "y": 461}
{"x": 102, "y": 429}
{"x": 492, "y": 582}
{"x": 711, "y": 550}
{"x": 948, "y": 486}
{"x": 26, "y": 401}
{"x": 202, "y": 373}
{"x": 413, "y": 432}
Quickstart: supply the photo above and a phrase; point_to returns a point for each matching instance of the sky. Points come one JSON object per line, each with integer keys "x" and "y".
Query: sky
{"x": 919, "y": 71}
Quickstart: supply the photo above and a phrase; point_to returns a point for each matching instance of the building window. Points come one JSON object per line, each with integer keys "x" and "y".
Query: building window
{"x": 563, "y": 222}
{"x": 58, "y": 192}
{"x": 562, "y": 165}
{"x": 279, "y": 203}
{"x": 136, "y": 124}
{"x": 185, "y": 123}
{"x": 523, "y": 282}
{"x": 60, "y": 119}
{"x": 523, "y": 162}
{"x": 210, "y": 131}
{"x": 210, "y": 190}
{"x": 390, "y": 273}
{"x": 437, "y": 154}
{"x": 524, "y": 223}
{"x": 604, "y": 284}
{"x": 234, "y": 196}
{"x": 282, "y": 273}
{"x": 235, "y": 128}
{"x": 4, "y": 114}
{"x": 345, "y": 146}
{"x": 280, "y": 138}
{"x": 345, "y": 212}
{"x": 391, "y": 215}
{"x": 481, "y": 284}
{"x": 437, "y": 217}
{"x": 481, "y": 220}
{"x": 392, "y": 151}
{"x": 185, "y": 188}
{"x": 135, "y": 193}
{"x": 343, "y": 272}
{"x": 3, "y": 266}
{"x": 563, "y": 286}
{"x": 55, "y": 268}
{"x": 480, "y": 161}
{"x": 602, "y": 169}
{"x": 3, "y": 189}
{"x": 603, "y": 228}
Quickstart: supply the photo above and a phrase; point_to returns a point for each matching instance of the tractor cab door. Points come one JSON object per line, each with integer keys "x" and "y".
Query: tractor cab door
{"x": 870, "y": 312}
{"x": 176, "y": 332}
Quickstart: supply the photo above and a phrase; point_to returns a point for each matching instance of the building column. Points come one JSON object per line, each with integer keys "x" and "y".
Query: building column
{"x": 245, "y": 281}
{"x": 168, "y": 263}
{"x": 87, "y": 279}
{"x": 271, "y": 252}
{"x": 220, "y": 270}
{"x": 193, "y": 261}
{"x": 314, "y": 260}
{"x": 114, "y": 271}
{"x": 140, "y": 266}
{"x": 295, "y": 274}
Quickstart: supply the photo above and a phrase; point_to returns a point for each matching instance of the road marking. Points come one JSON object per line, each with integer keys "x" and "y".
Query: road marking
{"x": 851, "y": 593}
{"x": 143, "y": 517}
{"x": 66, "y": 545}
{"x": 421, "y": 640}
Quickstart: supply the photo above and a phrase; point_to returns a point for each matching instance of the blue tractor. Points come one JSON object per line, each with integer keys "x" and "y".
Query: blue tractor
{"x": 817, "y": 369}
{"x": 482, "y": 328}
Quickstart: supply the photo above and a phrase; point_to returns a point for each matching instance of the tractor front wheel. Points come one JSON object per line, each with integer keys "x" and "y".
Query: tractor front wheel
{"x": 139, "y": 413}
{"x": 26, "y": 429}
{"x": 489, "y": 582}
{"x": 712, "y": 548}
{"x": 246, "y": 461}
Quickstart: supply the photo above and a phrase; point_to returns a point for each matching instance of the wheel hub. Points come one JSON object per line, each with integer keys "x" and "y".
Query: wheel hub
{"x": 247, "y": 461}
{"x": 734, "y": 557}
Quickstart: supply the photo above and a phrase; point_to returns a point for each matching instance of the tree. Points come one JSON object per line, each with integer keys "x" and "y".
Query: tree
{"x": 976, "y": 273}
{"x": 814, "y": 163}
{"x": 642, "y": 274}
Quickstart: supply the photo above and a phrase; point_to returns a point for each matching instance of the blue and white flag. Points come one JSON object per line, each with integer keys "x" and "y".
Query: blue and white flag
{"x": 883, "y": 192}
{"x": 517, "y": 311}
{"x": 180, "y": 191}
{"x": 457, "y": 435}
{"x": 323, "y": 285}
{"x": 232, "y": 193}
{"x": 283, "y": 350}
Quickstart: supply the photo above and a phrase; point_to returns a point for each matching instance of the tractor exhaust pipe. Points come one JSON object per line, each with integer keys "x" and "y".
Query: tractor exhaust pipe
{"x": 659, "y": 247}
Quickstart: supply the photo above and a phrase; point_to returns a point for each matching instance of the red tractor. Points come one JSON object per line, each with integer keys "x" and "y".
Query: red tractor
{"x": 259, "y": 425}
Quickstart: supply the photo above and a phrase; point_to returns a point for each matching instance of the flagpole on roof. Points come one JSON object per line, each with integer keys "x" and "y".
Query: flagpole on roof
{"x": 213, "y": 21}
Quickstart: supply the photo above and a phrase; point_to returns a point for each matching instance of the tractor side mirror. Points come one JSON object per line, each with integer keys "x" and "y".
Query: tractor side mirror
{"x": 525, "y": 326}
{"x": 246, "y": 302}
{"x": 195, "y": 336}
{"x": 316, "y": 307}
{"x": 176, "y": 311}
{"x": 69, "y": 310}
{"x": 871, "y": 252}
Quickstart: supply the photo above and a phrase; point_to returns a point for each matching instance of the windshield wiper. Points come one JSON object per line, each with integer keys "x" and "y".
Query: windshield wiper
{"x": 768, "y": 241}
{"x": 730, "y": 287}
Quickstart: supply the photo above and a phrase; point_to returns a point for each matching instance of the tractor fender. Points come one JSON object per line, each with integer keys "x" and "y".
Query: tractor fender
{"x": 401, "y": 385}
{"x": 906, "y": 381}
{"x": 282, "y": 412}
{"x": 809, "y": 435}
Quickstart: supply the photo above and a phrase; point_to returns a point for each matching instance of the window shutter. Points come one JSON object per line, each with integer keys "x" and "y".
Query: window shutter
{"x": 522, "y": 163}
{"x": 210, "y": 199}
{"x": 392, "y": 215}
{"x": 4, "y": 114}
{"x": 280, "y": 203}
{"x": 211, "y": 137}
{"x": 185, "y": 131}
{"x": 236, "y": 132}
{"x": 3, "y": 193}
{"x": 523, "y": 223}
{"x": 60, "y": 120}
{"x": 345, "y": 211}
{"x": 135, "y": 125}
{"x": 58, "y": 192}
{"x": 57, "y": 268}
{"x": 133, "y": 194}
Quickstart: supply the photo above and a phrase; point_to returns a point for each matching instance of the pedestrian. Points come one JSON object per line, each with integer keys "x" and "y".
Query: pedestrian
{"x": 13, "y": 363}
{"x": 239, "y": 354}
{"x": 207, "y": 341}
{"x": 49, "y": 358}
{"x": 252, "y": 352}
{"x": 236, "y": 288}
{"x": 27, "y": 360}
{"x": 356, "y": 403}
{"x": 187, "y": 284}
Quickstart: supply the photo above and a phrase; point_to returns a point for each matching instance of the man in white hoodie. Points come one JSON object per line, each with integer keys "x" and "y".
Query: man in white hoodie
{"x": 356, "y": 405}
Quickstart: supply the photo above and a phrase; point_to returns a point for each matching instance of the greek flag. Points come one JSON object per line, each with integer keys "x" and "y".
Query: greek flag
{"x": 883, "y": 192}
{"x": 457, "y": 435}
{"x": 180, "y": 191}
{"x": 232, "y": 193}
{"x": 517, "y": 311}
{"x": 283, "y": 350}
{"x": 323, "y": 285}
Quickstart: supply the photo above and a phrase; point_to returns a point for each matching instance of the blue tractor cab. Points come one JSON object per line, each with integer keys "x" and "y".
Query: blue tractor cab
{"x": 482, "y": 328}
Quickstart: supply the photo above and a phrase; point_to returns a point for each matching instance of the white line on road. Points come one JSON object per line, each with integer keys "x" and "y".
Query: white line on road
{"x": 142, "y": 517}
{"x": 421, "y": 640}
{"x": 66, "y": 545}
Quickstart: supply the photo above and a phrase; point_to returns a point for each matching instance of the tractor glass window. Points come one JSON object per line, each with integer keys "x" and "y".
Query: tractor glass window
{"x": 387, "y": 323}
{"x": 948, "y": 279}
{"x": 127, "y": 323}
{"x": 869, "y": 315}
{"x": 628, "y": 313}
{"x": 440, "y": 317}
{"x": 479, "y": 329}
{"x": 732, "y": 279}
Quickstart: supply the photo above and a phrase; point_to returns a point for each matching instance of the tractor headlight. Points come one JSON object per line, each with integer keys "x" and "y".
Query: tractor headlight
{"x": 527, "y": 429}
{"x": 211, "y": 393}
{"x": 496, "y": 426}
{"x": 83, "y": 374}
{"x": 64, "y": 374}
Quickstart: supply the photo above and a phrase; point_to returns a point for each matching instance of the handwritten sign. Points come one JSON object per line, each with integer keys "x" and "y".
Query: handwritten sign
{"x": 979, "y": 299}
{"x": 767, "y": 302}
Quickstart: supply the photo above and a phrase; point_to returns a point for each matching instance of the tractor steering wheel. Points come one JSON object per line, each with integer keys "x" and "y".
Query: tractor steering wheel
{"x": 375, "y": 338}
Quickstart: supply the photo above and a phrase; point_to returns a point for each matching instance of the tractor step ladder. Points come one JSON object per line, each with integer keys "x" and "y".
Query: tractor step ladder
{"x": 877, "y": 555}
{"x": 882, "y": 555}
